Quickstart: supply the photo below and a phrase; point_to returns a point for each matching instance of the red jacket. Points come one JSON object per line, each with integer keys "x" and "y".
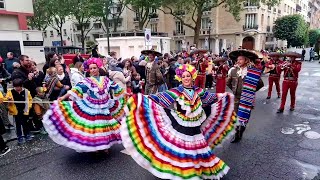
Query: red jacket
{"x": 291, "y": 71}
{"x": 222, "y": 71}
{"x": 202, "y": 66}
{"x": 277, "y": 69}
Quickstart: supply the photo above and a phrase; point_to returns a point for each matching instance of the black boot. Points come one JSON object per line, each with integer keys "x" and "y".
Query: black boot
{"x": 242, "y": 129}
{"x": 238, "y": 135}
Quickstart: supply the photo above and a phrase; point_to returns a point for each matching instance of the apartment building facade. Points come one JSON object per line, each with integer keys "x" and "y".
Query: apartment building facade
{"x": 219, "y": 30}
{"x": 314, "y": 14}
{"x": 14, "y": 34}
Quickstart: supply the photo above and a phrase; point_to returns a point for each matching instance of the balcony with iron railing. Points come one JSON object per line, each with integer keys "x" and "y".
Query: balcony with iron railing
{"x": 135, "y": 33}
{"x": 250, "y": 27}
{"x": 153, "y": 15}
{"x": 179, "y": 33}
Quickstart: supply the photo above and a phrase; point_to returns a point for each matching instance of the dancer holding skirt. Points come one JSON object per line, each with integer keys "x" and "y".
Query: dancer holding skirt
{"x": 90, "y": 122}
{"x": 172, "y": 134}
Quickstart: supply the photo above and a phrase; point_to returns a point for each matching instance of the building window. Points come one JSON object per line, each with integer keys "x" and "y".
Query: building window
{"x": 251, "y": 21}
{"x": 87, "y": 38}
{"x": 51, "y": 33}
{"x": 64, "y": 32}
{"x": 205, "y": 23}
{"x": 2, "y": 4}
{"x": 269, "y": 8}
{"x": 119, "y": 22}
{"x": 250, "y": 3}
{"x": 154, "y": 27}
{"x": 45, "y": 34}
{"x": 110, "y": 24}
{"x": 97, "y": 26}
{"x": 262, "y": 19}
{"x": 79, "y": 38}
{"x": 179, "y": 27}
{"x": 153, "y": 10}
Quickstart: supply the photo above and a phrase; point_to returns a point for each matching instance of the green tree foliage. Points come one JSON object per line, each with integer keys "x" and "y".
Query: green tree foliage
{"x": 83, "y": 12}
{"x": 143, "y": 10}
{"x": 314, "y": 36}
{"x": 293, "y": 29}
{"x": 39, "y": 21}
{"x": 58, "y": 11}
{"x": 190, "y": 12}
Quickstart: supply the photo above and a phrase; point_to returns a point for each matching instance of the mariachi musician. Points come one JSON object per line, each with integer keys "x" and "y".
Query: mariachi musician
{"x": 291, "y": 71}
{"x": 272, "y": 67}
{"x": 221, "y": 72}
{"x": 201, "y": 65}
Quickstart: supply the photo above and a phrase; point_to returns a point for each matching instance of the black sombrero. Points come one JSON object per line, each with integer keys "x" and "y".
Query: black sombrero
{"x": 220, "y": 59}
{"x": 243, "y": 52}
{"x": 275, "y": 54}
{"x": 292, "y": 54}
{"x": 197, "y": 51}
{"x": 156, "y": 53}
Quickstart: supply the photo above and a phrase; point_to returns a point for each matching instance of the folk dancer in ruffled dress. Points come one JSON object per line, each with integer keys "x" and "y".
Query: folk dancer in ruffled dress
{"x": 90, "y": 122}
{"x": 172, "y": 134}
{"x": 244, "y": 80}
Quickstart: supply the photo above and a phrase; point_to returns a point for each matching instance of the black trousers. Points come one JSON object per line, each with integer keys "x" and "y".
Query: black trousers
{"x": 209, "y": 81}
{"x": 2, "y": 143}
{"x": 22, "y": 122}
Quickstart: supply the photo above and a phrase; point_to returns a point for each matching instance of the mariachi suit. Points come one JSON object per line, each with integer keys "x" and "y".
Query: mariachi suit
{"x": 235, "y": 81}
{"x": 201, "y": 67}
{"x": 274, "y": 76}
{"x": 221, "y": 76}
{"x": 291, "y": 75}
{"x": 154, "y": 78}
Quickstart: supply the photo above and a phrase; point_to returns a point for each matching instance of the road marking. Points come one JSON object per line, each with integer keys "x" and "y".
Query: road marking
{"x": 312, "y": 135}
{"x": 301, "y": 129}
{"x": 125, "y": 152}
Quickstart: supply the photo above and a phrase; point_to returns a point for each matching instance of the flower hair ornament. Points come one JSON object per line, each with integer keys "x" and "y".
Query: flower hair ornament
{"x": 90, "y": 61}
{"x": 186, "y": 67}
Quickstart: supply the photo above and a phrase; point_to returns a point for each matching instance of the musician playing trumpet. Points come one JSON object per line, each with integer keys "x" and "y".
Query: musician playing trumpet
{"x": 221, "y": 72}
{"x": 272, "y": 67}
{"x": 291, "y": 71}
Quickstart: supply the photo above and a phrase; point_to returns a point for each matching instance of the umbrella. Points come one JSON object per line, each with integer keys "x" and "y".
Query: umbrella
{"x": 156, "y": 53}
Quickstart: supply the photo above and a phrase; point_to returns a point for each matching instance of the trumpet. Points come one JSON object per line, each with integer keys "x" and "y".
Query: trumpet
{"x": 285, "y": 65}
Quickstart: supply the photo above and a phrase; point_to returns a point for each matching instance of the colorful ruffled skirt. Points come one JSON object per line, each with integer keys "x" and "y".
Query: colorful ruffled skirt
{"x": 81, "y": 126}
{"x": 156, "y": 141}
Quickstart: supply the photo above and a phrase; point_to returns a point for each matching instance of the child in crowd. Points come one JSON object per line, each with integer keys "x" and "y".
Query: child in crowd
{"x": 113, "y": 65}
{"x": 20, "y": 111}
{"x": 137, "y": 84}
{"x": 53, "y": 85}
{"x": 40, "y": 108}
{"x": 4, "y": 149}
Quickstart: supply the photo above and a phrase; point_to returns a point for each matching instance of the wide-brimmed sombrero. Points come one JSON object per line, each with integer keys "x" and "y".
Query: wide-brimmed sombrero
{"x": 243, "y": 52}
{"x": 275, "y": 54}
{"x": 260, "y": 55}
{"x": 156, "y": 53}
{"x": 197, "y": 51}
{"x": 292, "y": 54}
{"x": 220, "y": 59}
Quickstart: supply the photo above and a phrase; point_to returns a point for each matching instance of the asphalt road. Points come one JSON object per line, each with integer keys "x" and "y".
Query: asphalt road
{"x": 274, "y": 146}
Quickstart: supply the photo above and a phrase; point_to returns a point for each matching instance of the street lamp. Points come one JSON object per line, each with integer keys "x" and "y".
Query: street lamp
{"x": 209, "y": 24}
{"x": 113, "y": 10}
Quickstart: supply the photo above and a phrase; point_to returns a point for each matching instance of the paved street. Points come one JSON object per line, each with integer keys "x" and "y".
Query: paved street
{"x": 275, "y": 146}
